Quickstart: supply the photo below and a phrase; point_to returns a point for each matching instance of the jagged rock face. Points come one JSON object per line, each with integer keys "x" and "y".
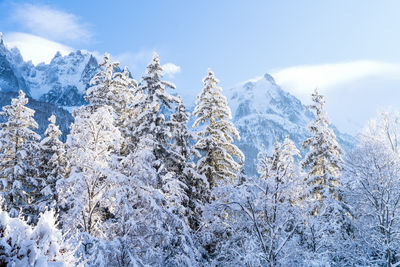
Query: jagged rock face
{"x": 8, "y": 81}
{"x": 11, "y": 68}
{"x": 63, "y": 81}
{"x": 262, "y": 112}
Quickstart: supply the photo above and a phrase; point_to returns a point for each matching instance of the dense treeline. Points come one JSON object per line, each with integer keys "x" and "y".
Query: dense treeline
{"x": 134, "y": 186}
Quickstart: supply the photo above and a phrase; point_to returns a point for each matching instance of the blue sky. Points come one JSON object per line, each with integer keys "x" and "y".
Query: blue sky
{"x": 349, "y": 49}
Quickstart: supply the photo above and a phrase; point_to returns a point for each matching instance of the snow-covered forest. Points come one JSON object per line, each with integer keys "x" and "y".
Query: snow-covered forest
{"x": 133, "y": 185}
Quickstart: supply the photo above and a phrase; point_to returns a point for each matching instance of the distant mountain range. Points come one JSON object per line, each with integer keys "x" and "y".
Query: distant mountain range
{"x": 261, "y": 110}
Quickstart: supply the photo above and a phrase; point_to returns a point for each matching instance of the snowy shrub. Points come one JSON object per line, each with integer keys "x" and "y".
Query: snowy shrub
{"x": 42, "y": 245}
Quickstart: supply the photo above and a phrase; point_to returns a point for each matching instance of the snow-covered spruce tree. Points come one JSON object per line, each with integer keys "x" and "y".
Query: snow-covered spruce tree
{"x": 258, "y": 222}
{"x": 53, "y": 165}
{"x": 41, "y": 245}
{"x": 110, "y": 87}
{"x": 150, "y": 109}
{"x": 183, "y": 165}
{"x": 325, "y": 212}
{"x": 19, "y": 145}
{"x": 216, "y": 135}
{"x": 85, "y": 193}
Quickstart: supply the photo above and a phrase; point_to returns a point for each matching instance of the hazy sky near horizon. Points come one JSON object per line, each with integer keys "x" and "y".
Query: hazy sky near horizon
{"x": 349, "y": 49}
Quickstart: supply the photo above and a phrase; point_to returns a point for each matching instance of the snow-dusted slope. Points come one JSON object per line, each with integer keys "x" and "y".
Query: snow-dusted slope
{"x": 15, "y": 74}
{"x": 262, "y": 111}
{"x": 63, "y": 81}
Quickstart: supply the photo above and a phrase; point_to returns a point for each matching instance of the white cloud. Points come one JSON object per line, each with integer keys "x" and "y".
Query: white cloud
{"x": 51, "y": 23}
{"x": 170, "y": 69}
{"x": 303, "y": 79}
{"x": 35, "y": 48}
{"x": 354, "y": 91}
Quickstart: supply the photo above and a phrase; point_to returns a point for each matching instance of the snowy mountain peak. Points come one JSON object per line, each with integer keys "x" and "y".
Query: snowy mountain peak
{"x": 262, "y": 111}
{"x": 269, "y": 78}
{"x": 63, "y": 81}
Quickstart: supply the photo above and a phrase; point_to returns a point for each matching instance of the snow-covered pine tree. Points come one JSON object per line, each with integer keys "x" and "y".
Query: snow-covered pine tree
{"x": 109, "y": 87}
{"x": 323, "y": 161}
{"x": 53, "y": 165}
{"x": 216, "y": 135}
{"x": 19, "y": 145}
{"x": 322, "y": 193}
{"x": 183, "y": 153}
{"x": 150, "y": 109}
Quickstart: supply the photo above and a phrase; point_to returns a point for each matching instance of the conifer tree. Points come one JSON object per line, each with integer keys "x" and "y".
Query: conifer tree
{"x": 323, "y": 161}
{"x": 53, "y": 165}
{"x": 325, "y": 213}
{"x": 182, "y": 157}
{"x": 217, "y": 134}
{"x": 154, "y": 190}
{"x": 109, "y": 87}
{"x": 18, "y": 170}
{"x": 151, "y": 107}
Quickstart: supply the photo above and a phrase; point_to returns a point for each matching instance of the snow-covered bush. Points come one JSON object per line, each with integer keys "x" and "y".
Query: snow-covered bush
{"x": 41, "y": 245}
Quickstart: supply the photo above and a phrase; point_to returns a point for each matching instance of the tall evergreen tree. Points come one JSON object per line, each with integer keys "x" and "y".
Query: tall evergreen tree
{"x": 217, "y": 134}
{"x": 183, "y": 154}
{"x": 19, "y": 145}
{"x": 151, "y": 109}
{"x": 323, "y": 161}
{"x": 53, "y": 165}
{"x": 326, "y": 221}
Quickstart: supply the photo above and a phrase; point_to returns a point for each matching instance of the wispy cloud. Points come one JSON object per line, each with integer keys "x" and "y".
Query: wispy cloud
{"x": 51, "y": 23}
{"x": 303, "y": 79}
{"x": 35, "y": 48}
{"x": 170, "y": 69}
{"x": 354, "y": 90}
